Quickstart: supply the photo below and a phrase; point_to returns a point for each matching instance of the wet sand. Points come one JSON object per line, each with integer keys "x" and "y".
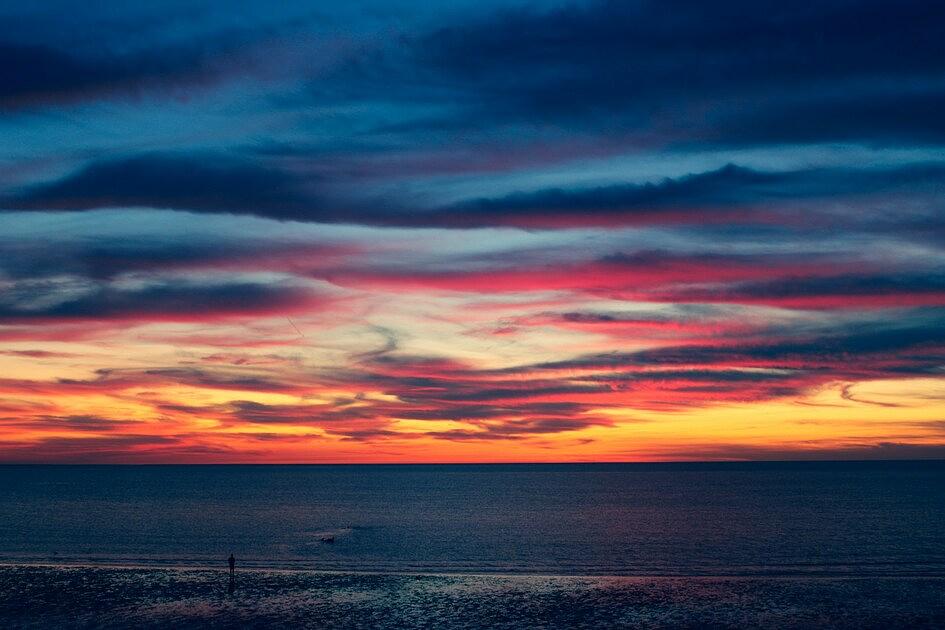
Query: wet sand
{"x": 101, "y": 597}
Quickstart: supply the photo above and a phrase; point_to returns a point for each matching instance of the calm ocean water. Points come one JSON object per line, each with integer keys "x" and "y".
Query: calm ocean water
{"x": 885, "y": 518}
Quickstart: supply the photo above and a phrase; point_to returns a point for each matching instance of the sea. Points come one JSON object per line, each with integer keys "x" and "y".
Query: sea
{"x": 828, "y": 519}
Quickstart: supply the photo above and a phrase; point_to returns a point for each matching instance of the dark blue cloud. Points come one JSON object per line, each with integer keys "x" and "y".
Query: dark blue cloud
{"x": 889, "y": 288}
{"x": 49, "y": 300}
{"x": 202, "y": 183}
{"x": 681, "y": 72}
{"x": 41, "y": 75}
{"x": 219, "y": 184}
{"x": 697, "y": 197}
{"x": 723, "y": 187}
{"x": 106, "y": 258}
{"x": 914, "y": 344}
{"x": 894, "y": 117}
{"x": 54, "y": 56}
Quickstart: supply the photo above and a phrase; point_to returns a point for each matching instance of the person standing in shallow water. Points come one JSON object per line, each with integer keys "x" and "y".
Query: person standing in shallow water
{"x": 232, "y": 585}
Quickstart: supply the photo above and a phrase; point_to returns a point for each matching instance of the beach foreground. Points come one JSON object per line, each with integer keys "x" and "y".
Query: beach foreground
{"x": 38, "y": 596}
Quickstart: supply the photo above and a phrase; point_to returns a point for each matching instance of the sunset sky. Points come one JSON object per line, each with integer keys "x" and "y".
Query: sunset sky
{"x": 395, "y": 231}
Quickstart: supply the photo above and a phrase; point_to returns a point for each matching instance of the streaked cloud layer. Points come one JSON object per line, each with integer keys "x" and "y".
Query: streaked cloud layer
{"x": 529, "y": 231}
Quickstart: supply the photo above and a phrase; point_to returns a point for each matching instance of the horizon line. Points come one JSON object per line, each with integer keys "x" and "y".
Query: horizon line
{"x": 491, "y": 463}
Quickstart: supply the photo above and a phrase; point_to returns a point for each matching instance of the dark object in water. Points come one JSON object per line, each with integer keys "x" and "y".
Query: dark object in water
{"x": 328, "y": 539}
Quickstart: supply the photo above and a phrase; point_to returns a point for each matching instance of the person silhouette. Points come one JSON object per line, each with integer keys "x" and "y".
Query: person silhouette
{"x": 232, "y": 562}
